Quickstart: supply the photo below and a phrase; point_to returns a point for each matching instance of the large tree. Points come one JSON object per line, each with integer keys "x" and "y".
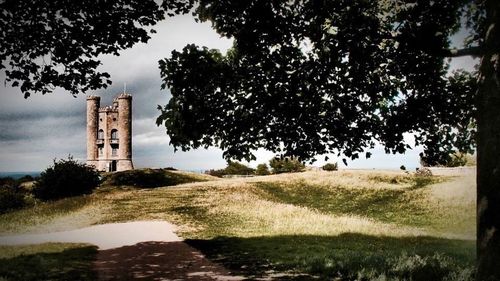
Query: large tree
{"x": 310, "y": 77}
{"x": 313, "y": 77}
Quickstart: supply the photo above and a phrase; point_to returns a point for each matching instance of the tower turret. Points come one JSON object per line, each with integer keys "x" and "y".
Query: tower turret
{"x": 125, "y": 132}
{"x": 93, "y": 103}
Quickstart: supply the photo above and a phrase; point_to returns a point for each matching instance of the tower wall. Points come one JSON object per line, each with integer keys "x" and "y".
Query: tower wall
{"x": 93, "y": 103}
{"x": 125, "y": 132}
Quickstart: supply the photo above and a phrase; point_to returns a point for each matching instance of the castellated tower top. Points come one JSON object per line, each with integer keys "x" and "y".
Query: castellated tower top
{"x": 124, "y": 96}
{"x": 92, "y": 97}
{"x": 109, "y": 134}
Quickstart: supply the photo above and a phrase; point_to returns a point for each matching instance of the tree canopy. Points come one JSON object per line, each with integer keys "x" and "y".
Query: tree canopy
{"x": 49, "y": 44}
{"x": 306, "y": 78}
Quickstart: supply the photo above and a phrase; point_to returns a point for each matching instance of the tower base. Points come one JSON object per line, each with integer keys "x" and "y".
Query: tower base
{"x": 111, "y": 165}
{"x": 124, "y": 165}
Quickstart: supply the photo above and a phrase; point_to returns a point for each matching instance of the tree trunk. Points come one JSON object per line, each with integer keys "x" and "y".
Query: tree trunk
{"x": 488, "y": 157}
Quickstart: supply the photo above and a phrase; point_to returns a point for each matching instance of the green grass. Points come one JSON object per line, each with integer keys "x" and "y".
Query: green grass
{"x": 150, "y": 178}
{"x": 414, "y": 181}
{"x": 44, "y": 213}
{"x": 399, "y": 206}
{"x": 49, "y": 261}
{"x": 347, "y": 225}
{"x": 348, "y": 256}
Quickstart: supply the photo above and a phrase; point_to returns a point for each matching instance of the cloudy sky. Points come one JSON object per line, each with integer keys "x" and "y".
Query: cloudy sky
{"x": 36, "y": 130}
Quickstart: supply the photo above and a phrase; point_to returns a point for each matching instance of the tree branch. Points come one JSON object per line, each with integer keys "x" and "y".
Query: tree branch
{"x": 471, "y": 51}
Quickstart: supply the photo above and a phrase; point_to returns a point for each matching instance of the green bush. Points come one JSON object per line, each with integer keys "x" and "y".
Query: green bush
{"x": 26, "y": 178}
{"x": 66, "y": 178}
{"x": 286, "y": 165}
{"x": 457, "y": 160}
{"x": 415, "y": 267}
{"x": 11, "y": 198}
{"x": 330, "y": 167}
{"x": 216, "y": 173}
{"x": 262, "y": 170}
{"x": 236, "y": 168}
{"x": 232, "y": 168}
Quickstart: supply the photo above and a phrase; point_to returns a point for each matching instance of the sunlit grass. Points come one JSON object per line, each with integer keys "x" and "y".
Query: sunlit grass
{"x": 53, "y": 216}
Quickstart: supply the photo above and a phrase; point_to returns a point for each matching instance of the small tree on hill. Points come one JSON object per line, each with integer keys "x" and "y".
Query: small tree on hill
{"x": 330, "y": 167}
{"x": 236, "y": 168}
{"x": 11, "y": 197}
{"x": 262, "y": 170}
{"x": 286, "y": 165}
{"x": 66, "y": 178}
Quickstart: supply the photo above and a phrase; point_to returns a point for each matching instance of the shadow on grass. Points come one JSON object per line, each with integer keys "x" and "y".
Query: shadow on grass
{"x": 346, "y": 257}
{"x": 70, "y": 264}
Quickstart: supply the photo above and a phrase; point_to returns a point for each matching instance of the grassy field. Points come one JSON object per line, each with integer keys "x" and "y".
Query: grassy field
{"x": 350, "y": 225}
{"x": 49, "y": 261}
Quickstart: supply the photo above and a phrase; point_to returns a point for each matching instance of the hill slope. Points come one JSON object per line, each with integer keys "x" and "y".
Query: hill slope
{"x": 327, "y": 224}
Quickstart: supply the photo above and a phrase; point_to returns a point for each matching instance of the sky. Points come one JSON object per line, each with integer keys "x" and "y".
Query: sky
{"x": 37, "y": 130}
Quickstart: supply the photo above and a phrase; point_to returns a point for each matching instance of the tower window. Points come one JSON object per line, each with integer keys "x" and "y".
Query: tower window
{"x": 114, "y": 151}
{"x": 114, "y": 134}
{"x": 100, "y": 134}
{"x": 100, "y": 150}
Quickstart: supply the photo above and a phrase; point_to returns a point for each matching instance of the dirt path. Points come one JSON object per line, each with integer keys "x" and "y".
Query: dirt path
{"x": 158, "y": 261}
{"x": 143, "y": 250}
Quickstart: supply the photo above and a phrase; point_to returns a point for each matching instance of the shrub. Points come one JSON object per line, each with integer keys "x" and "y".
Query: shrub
{"x": 330, "y": 167}
{"x": 216, "y": 173}
{"x": 402, "y": 168}
{"x": 460, "y": 159}
{"x": 236, "y": 168}
{"x": 11, "y": 198}
{"x": 64, "y": 179}
{"x": 262, "y": 170}
{"x": 423, "y": 172}
{"x": 232, "y": 168}
{"x": 26, "y": 178}
{"x": 7, "y": 181}
{"x": 415, "y": 267}
{"x": 286, "y": 165}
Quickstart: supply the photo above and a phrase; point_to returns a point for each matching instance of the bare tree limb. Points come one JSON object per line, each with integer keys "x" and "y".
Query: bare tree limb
{"x": 471, "y": 51}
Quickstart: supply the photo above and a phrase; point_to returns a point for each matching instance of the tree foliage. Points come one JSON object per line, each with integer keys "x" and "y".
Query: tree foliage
{"x": 66, "y": 178}
{"x": 330, "y": 167}
{"x": 262, "y": 170}
{"x": 11, "y": 197}
{"x": 236, "y": 168}
{"x": 312, "y": 77}
{"x": 49, "y": 44}
{"x": 232, "y": 168}
{"x": 286, "y": 165}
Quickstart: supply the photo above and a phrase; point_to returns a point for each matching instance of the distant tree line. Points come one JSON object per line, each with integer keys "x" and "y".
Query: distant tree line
{"x": 277, "y": 165}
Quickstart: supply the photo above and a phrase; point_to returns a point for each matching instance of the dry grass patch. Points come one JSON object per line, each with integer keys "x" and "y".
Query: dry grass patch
{"x": 64, "y": 214}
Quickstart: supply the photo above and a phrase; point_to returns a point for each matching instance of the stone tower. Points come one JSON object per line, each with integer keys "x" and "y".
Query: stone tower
{"x": 109, "y": 134}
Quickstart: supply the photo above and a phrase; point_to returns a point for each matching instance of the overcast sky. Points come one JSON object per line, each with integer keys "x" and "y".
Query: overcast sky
{"x": 36, "y": 130}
